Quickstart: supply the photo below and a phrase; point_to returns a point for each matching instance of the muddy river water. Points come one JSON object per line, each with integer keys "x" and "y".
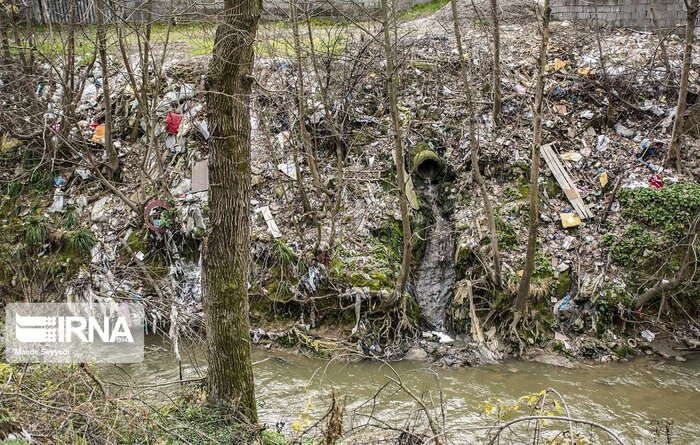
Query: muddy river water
{"x": 632, "y": 398}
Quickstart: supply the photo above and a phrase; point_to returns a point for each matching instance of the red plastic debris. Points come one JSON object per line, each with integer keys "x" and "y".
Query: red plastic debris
{"x": 151, "y": 222}
{"x": 172, "y": 123}
{"x": 656, "y": 182}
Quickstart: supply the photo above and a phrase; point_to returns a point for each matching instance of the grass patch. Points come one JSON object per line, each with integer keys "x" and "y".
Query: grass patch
{"x": 424, "y": 9}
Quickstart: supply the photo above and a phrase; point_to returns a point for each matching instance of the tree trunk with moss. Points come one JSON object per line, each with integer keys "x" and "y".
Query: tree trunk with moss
{"x": 524, "y": 288}
{"x": 474, "y": 147}
{"x": 226, "y": 262}
{"x": 388, "y": 19}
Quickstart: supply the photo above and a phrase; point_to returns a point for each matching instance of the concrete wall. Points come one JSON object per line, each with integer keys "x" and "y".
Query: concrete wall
{"x": 58, "y": 11}
{"x": 622, "y": 13}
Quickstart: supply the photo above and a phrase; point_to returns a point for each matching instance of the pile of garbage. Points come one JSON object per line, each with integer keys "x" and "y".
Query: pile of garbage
{"x": 149, "y": 223}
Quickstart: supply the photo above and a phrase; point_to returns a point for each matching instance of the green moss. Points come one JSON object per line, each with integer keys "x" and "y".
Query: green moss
{"x": 413, "y": 311}
{"x": 563, "y": 284}
{"x": 270, "y": 437}
{"x": 630, "y": 249}
{"x": 507, "y": 236}
{"x": 669, "y": 210}
{"x": 279, "y": 290}
{"x": 137, "y": 240}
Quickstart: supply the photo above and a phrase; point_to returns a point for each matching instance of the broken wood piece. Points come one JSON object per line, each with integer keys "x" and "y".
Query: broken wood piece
{"x": 565, "y": 182}
{"x": 270, "y": 221}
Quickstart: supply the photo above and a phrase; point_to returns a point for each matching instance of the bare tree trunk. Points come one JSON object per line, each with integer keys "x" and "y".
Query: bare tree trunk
{"x": 524, "y": 288}
{"x": 673, "y": 159}
{"x": 145, "y": 63}
{"x": 390, "y": 54}
{"x": 226, "y": 262}
{"x": 339, "y": 152}
{"x": 604, "y": 69}
{"x": 301, "y": 98}
{"x": 112, "y": 158}
{"x": 496, "y": 61}
{"x": 474, "y": 146}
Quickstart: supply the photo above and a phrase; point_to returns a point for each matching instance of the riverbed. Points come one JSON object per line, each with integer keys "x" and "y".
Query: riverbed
{"x": 634, "y": 399}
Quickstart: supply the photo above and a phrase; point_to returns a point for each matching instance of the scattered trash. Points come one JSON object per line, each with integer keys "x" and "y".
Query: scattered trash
{"x": 558, "y": 336}
{"x": 203, "y": 128}
{"x": 648, "y": 335}
{"x": 84, "y": 173}
{"x": 288, "y": 169}
{"x": 603, "y": 177}
{"x": 172, "y": 123}
{"x": 587, "y": 114}
{"x": 270, "y": 221}
{"x": 557, "y": 93}
{"x": 98, "y": 214}
{"x": 99, "y": 136}
{"x": 624, "y": 131}
{"x": 603, "y": 143}
{"x": 560, "y": 109}
{"x": 442, "y": 337}
{"x": 58, "y": 200}
{"x": 569, "y": 220}
{"x": 571, "y": 156}
{"x": 153, "y": 215}
{"x": 568, "y": 241}
{"x": 200, "y": 176}
{"x": 562, "y": 305}
{"x": 656, "y": 181}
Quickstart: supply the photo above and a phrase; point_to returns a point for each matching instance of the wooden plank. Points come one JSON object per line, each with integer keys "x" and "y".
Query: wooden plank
{"x": 565, "y": 181}
{"x": 570, "y": 190}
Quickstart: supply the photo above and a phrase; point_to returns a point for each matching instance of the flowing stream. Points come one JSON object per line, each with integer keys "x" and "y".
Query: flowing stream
{"x": 436, "y": 272}
{"x": 628, "y": 397}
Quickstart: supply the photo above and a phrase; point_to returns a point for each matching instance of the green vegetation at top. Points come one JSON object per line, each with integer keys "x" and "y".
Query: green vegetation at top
{"x": 424, "y": 9}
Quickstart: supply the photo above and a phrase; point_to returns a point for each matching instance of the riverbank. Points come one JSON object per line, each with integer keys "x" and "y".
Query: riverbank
{"x": 326, "y": 250}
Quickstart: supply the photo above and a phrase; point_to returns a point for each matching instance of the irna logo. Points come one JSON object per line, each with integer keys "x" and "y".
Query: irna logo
{"x": 105, "y": 331}
{"x": 37, "y": 329}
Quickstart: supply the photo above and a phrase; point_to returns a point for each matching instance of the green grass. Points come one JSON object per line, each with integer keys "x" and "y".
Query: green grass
{"x": 424, "y": 9}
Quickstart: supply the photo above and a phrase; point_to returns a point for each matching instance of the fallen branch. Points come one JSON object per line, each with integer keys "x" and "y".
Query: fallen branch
{"x": 561, "y": 418}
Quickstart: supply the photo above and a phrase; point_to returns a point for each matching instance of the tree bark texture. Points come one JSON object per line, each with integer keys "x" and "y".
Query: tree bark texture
{"x": 226, "y": 261}
{"x": 524, "y": 288}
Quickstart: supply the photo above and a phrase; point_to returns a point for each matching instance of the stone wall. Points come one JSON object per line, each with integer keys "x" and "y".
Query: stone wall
{"x": 622, "y": 13}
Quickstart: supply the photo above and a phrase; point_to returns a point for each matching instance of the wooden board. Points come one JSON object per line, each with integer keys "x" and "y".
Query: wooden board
{"x": 565, "y": 182}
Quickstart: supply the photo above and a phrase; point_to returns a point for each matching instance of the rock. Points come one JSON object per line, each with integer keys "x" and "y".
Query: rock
{"x": 416, "y": 353}
{"x": 547, "y": 358}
